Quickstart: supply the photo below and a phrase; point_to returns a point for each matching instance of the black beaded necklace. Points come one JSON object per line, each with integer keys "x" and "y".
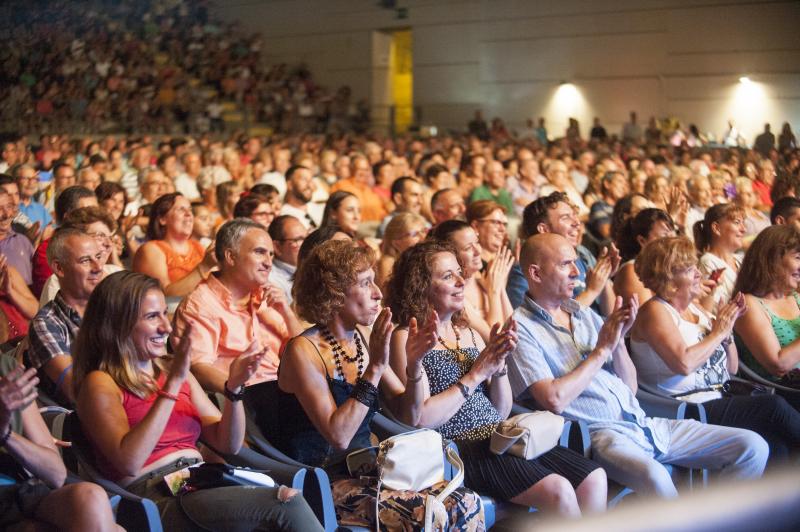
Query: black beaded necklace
{"x": 339, "y": 353}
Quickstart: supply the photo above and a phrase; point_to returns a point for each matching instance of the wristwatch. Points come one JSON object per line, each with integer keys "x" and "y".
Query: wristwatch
{"x": 233, "y": 396}
{"x": 464, "y": 389}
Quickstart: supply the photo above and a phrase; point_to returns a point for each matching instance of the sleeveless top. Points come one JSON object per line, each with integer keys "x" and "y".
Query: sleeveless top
{"x": 13, "y": 321}
{"x": 477, "y": 417}
{"x": 786, "y": 331}
{"x": 181, "y": 432}
{"x": 297, "y": 436}
{"x": 652, "y": 370}
{"x": 179, "y": 266}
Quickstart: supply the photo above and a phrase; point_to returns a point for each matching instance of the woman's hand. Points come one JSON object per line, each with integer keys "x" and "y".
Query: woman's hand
{"x": 182, "y": 361}
{"x": 420, "y": 340}
{"x": 493, "y": 357}
{"x": 246, "y": 365}
{"x": 496, "y": 275}
{"x": 728, "y": 314}
{"x": 379, "y": 341}
{"x": 209, "y": 260}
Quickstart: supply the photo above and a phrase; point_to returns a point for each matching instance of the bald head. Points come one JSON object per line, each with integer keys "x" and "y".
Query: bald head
{"x": 548, "y": 262}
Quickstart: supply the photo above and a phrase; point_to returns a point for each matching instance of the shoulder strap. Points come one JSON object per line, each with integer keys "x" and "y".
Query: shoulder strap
{"x": 319, "y": 354}
{"x": 472, "y": 335}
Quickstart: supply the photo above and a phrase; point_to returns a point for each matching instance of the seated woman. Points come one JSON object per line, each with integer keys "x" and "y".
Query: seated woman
{"x": 228, "y": 194}
{"x": 143, "y": 414}
{"x": 256, "y": 207}
{"x": 719, "y": 238}
{"x": 171, "y": 255}
{"x": 746, "y": 199}
{"x": 684, "y": 352}
{"x": 344, "y": 211}
{"x": 97, "y": 223}
{"x": 465, "y": 388}
{"x": 330, "y": 378}
{"x": 403, "y": 231}
{"x": 39, "y": 500}
{"x": 770, "y": 332}
{"x": 486, "y": 301}
{"x": 489, "y": 220}
{"x": 650, "y": 224}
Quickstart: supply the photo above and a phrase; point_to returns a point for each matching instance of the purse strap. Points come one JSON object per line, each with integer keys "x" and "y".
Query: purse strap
{"x": 455, "y": 482}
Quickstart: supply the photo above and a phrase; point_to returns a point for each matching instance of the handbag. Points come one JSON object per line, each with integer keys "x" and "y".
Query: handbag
{"x": 528, "y": 435}
{"x": 413, "y": 461}
{"x": 733, "y": 388}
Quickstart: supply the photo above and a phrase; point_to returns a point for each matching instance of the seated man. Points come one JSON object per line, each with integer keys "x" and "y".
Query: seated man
{"x": 29, "y": 457}
{"x": 447, "y": 204}
{"x": 406, "y": 197}
{"x": 288, "y": 234}
{"x": 569, "y": 361}
{"x": 236, "y": 309}
{"x": 555, "y": 214}
{"x": 77, "y": 261}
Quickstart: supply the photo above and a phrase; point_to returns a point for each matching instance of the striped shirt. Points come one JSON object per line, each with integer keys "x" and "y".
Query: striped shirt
{"x": 549, "y": 351}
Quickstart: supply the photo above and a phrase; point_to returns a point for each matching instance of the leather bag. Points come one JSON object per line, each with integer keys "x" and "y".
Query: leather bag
{"x": 528, "y": 435}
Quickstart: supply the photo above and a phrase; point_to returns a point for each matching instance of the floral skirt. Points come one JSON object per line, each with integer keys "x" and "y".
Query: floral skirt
{"x": 403, "y": 510}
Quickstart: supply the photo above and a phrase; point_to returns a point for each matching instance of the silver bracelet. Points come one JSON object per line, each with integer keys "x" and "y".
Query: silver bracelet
{"x": 502, "y": 373}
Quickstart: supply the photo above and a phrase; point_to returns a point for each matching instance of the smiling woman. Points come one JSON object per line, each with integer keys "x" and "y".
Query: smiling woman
{"x": 171, "y": 255}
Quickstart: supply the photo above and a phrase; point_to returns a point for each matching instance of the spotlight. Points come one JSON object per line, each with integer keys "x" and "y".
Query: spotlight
{"x": 744, "y": 80}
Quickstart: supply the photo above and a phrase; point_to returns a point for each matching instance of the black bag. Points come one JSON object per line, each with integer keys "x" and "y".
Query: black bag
{"x": 731, "y": 388}
{"x": 207, "y": 476}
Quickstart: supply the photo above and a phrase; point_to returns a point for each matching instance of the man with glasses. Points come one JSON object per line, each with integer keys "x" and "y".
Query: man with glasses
{"x": 299, "y": 191}
{"x": 287, "y": 235}
{"x": 27, "y": 178}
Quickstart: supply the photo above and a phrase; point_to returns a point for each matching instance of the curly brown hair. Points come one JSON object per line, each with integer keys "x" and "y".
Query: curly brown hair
{"x": 409, "y": 285}
{"x": 323, "y": 277}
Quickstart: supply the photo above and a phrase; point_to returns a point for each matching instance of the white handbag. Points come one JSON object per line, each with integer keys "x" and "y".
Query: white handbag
{"x": 528, "y": 435}
{"x": 413, "y": 461}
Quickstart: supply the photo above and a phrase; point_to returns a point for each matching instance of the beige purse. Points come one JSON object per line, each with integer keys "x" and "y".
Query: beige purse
{"x": 527, "y": 435}
{"x": 413, "y": 461}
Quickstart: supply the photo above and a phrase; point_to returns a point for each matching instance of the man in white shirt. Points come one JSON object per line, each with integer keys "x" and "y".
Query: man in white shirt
{"x": 299, "y": 191}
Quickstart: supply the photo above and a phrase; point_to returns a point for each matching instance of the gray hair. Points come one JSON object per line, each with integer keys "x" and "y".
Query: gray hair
{"x": 57, "y": 248}
{"x": 230, "y": 236}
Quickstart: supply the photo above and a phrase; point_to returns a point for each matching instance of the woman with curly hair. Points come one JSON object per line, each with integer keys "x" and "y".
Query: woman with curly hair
{"x": 465, "y": 387}
{"x": 330, "y": 380}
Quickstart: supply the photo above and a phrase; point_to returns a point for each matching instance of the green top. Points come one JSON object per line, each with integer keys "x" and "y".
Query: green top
{"x": 503, "y": 197}
{"x": 786, "y": 331}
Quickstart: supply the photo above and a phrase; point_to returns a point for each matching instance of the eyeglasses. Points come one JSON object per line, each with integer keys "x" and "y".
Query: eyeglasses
{"x": 100, "y": 237}
{"x": 498, "y": 223}
{"x": 297, "y": 240}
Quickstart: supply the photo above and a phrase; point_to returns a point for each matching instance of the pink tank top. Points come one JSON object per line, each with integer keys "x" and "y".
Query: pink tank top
{"x": 182, "y": 430}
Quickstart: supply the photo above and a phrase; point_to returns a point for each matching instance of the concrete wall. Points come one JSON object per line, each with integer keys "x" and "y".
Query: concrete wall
{"x": 676, "y": 58}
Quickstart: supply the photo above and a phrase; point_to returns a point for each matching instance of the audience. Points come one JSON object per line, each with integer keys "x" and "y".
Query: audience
{"x": 682, "y": 351}
{"x": 168, "y": 168}
{"x": 464, "y": 390}
{"x": 143, "y": 415}
{"x": 568, "y": 360}
{"x": 332, "y": 376}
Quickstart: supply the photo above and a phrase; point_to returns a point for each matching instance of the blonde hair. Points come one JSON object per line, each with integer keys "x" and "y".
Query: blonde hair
{"x": 397, "y": 228}
{"x": 660, "y": 259}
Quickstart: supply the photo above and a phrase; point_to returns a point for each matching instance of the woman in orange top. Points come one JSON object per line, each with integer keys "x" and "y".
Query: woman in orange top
{"x": 171, "y": 255}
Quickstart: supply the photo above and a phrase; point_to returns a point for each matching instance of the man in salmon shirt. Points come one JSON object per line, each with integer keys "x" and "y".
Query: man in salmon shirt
{"x": 236, "y": 309}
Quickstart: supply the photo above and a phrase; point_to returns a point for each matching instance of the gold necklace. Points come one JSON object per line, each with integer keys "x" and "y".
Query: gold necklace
{"x": 458, "y": 352}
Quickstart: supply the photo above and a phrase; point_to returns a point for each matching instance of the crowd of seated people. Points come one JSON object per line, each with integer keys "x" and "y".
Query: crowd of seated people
{"x": 276, "y": 275}
{"x": 151, "y": 66}
{"x": 327, "y": 273}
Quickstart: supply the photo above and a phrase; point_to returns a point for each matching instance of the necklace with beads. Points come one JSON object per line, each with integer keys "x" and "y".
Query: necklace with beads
{"x": 339, "y": 353}
{"x": 457, "y": 351}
